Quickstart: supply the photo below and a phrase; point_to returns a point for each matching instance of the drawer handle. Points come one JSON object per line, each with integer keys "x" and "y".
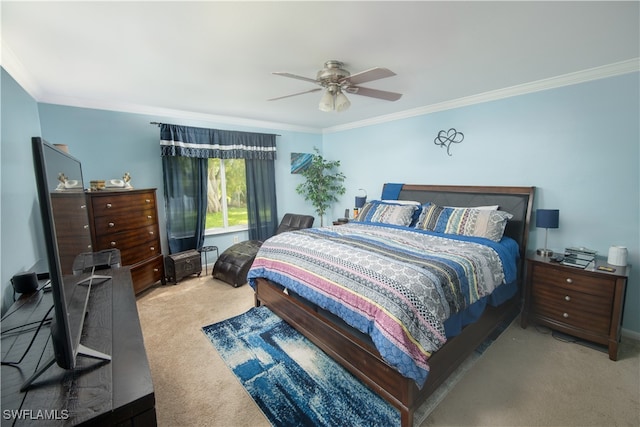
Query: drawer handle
{"x": 111, "y": 224}
{"x": 155, "y": 270}
{"x": 113, "y": 244}
{"x": 149, "y": 217}
{"x": 151, "y": 233}
{"x": 569, "y": 280}
{"x": 108, "y": 205}
{"x": 83, "y": 206}
{"x": 152, "y": 248}
{"x": 148, "y": 200}
{"x": 86, "y": 226}
{"x": 565, "y": 315}
{"x": 567, "y": 298}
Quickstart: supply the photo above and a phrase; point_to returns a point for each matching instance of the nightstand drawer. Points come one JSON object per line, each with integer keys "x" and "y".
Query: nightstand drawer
{"x": 582, "y": 310}
{"x": 567, "y": 278}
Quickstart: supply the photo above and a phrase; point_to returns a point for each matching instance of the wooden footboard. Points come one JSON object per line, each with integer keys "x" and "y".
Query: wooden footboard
{"x": 364, "y": 361}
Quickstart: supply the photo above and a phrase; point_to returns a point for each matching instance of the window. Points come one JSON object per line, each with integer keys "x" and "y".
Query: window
{"x": 226, "y": 195}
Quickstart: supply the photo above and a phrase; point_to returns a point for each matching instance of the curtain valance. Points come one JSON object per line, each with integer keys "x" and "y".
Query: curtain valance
{"x": 187, "y": 141}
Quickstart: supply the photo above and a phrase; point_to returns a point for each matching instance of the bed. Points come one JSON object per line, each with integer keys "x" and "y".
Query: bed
{"x": 401, "y": 344}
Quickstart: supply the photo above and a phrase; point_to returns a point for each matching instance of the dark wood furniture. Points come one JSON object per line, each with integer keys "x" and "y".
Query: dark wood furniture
{"x": 73, "y": 237}
{"x": 584, "y": 303}
{"x": 128, "y": 220}
{"x": 359, "y": 356}
{"x": 183, "y": 264}
{"x": 96, "y": 393}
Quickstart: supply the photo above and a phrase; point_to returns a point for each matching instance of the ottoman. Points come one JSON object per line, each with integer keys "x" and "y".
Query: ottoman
{"x": 233, "y": 264}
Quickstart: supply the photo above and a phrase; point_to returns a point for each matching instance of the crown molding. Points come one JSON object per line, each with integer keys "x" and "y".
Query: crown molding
{"x": 158, "y": 112}
{"x": 12, "y": 65}
{"x": 596, "y": 73}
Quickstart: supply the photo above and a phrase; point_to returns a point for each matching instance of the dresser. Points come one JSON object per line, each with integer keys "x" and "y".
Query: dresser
{"x": 73, "y": 233}
{"x": 584, "y": 303}
{"x": 128, "y": 220}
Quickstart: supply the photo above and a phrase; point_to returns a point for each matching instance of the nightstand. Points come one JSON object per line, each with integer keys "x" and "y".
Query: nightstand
{"x": 584, "y": 303}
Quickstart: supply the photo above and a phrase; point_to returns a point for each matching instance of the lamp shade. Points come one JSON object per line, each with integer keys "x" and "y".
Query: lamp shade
{"x": 342, "y": 103}
{"x": 361, "y": 200}
{"x": 547, "y": 218}
{"x": 327, "y": 102}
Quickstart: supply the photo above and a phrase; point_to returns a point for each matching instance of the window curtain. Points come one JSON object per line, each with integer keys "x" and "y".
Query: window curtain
{"x": 186, "y": 180}
{"x": 261, "y": 198}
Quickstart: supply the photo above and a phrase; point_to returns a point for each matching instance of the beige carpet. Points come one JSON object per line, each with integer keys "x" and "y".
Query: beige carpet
{"x": 526, "y": 378}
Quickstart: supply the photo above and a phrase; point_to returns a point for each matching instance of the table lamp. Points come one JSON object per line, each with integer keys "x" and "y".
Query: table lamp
{"x": 546, "y": 218}
{"x": 360, "y": 201}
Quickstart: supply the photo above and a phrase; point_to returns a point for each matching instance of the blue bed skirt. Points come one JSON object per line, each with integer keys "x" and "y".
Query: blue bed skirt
{"x": 454, "y": 324}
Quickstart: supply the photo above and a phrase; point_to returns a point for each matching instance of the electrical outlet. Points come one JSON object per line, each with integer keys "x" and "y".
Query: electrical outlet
{"x": 236, "y": 239}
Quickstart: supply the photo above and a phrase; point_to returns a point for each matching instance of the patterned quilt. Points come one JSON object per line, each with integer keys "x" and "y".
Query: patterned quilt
{"x": 396, "y": 284}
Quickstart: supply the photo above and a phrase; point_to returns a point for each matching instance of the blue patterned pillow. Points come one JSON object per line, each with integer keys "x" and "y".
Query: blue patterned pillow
{"x": 386, "y": 213}
{"x": 416, "y": 213}
{"x": 489, "y": 224}
{"x": 433, "y": 218}
{"x": 477, "y": 222}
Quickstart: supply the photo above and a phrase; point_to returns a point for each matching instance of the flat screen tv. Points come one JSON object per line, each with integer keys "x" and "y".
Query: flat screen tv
{"x": 67, "y": 239}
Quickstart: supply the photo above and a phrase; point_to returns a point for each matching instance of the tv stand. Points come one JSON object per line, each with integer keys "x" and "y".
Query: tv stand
{"x": 115, "y": 393}
{"x": 82, "y": 351}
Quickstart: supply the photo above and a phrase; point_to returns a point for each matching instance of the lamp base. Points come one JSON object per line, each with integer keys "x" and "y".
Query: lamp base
{"x": 544, "y": 252}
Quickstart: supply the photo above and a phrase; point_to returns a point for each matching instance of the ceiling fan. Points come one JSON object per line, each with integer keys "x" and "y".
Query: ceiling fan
{"x": 335, "y": 80}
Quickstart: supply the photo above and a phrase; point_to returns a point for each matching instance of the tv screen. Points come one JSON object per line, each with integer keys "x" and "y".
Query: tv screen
{"x": 67, "y": 240}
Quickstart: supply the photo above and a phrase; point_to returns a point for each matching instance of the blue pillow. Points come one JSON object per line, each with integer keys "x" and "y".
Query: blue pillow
{"x": 386, "y": 213}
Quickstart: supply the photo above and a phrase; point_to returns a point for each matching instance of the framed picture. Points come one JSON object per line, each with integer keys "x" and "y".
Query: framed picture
{"x": 300, "y": 161}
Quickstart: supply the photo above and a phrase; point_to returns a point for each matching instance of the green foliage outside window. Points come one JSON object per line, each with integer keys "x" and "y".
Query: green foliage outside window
{"x": 236, "y": 193}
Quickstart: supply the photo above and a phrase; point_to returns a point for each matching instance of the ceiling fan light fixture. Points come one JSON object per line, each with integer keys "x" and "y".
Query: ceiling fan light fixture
{"x": 327, "y": 102}
{"x": 342, "y": 102}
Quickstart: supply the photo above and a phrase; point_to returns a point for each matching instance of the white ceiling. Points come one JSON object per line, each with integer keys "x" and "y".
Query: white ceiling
{"x": 209, "y": 59}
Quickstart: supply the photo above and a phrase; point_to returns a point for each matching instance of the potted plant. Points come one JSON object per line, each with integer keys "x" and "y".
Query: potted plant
{"x": 323, "y": 183}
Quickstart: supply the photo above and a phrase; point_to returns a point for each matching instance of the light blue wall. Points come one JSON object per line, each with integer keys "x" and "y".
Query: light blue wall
{"x": 109, "y": 143}
{"x": 579, "y": 145}
{"x": 20, "y": 223}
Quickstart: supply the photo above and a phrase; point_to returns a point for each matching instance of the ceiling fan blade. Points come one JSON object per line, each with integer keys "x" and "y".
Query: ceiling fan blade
{"x": 294, "y": 76}
{"x": 296, "y": 94}
{"x": 369, "y": 75}
{"x": 374, "y": 93}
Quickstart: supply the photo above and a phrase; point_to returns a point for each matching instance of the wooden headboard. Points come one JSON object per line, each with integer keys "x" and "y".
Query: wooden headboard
{"x": 518, "y": 201}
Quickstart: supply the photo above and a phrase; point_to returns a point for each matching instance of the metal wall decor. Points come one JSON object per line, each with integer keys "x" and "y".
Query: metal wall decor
{"x": 448, "y": 137}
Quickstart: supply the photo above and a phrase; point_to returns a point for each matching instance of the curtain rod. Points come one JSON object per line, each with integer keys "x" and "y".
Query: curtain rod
{"x": 158, "y": 124}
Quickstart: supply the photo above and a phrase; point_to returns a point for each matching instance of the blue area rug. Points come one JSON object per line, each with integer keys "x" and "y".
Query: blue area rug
{"x": 294, "y": 382}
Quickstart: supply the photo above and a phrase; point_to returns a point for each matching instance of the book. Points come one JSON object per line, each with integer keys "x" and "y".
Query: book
{"x": 576, "y": 262}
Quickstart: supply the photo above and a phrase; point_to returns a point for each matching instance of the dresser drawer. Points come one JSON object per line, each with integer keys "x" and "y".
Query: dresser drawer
{"x": 128, "y": 238}
{"x": 135, "y": 254}
{"x": 116, "y": 223}
{"x": 120, "y": 203}
{"x": 148, "y": 273}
